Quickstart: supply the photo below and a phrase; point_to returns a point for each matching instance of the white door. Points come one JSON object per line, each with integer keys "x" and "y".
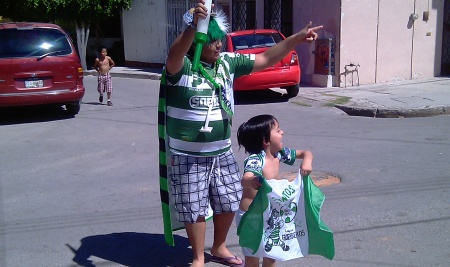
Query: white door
{"x": 407, "y": 46}
{"x": 395, "y": 40}
{"x": 427, "y": 40}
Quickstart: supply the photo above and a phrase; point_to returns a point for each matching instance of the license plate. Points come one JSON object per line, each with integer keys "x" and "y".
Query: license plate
{"x": 34, "y": 84}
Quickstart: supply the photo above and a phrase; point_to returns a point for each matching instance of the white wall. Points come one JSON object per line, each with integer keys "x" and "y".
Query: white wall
{"x": 144, "y": 31}
{"x": 358, "y": 41}
{"x": 379, "y": 35}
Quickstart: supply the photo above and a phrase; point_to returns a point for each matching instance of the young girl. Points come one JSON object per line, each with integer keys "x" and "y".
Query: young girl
{"x": 262, "y": 138}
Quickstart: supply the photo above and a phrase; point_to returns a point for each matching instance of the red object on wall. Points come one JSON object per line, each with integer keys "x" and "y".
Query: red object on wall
{"x": 324, "y": 57}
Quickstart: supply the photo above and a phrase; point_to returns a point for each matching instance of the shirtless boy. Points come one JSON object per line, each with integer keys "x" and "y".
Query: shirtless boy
{"x": 103, "y": 64}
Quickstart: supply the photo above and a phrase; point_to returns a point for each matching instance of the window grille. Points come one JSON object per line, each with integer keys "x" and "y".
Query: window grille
{"x": 278, "y": 15}
{"x": 175, "y": 12}
{"x": 244, "y": 15}
{"x": 272, "y": 14}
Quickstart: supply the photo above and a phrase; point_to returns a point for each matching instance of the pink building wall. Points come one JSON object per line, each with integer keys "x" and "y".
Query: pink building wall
{"x": 324, "y": 12}
{"x": 377, "y": 35}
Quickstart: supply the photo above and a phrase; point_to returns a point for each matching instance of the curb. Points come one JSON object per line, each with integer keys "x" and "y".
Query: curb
{"x": 151, "y": 76}
{"x": 395, "y": 113}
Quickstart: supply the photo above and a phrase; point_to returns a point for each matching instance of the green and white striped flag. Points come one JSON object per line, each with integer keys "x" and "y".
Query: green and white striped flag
{"x": 163, "y": 157}
{"x": 167, "y": 202}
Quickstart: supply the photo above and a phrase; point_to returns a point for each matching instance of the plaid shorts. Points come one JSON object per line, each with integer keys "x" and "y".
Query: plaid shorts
{"x": 104, "y": 83}
{"x": 199, "y": 181}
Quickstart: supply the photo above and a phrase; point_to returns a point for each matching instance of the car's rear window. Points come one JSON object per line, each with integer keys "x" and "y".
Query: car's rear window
{"x": 256, "y": 40}
{"x": 33, "y": 42}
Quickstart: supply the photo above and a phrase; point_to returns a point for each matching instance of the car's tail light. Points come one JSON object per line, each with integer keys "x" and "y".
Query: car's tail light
{"x": 80, "y": 75}
{"x": 294, "y": 59}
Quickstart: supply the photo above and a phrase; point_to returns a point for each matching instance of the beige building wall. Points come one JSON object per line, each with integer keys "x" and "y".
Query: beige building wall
{"x": 388, "y": 41}
{"x": 394, "y": 46}
{"x": 145, "y": 31}
{"x": 358, "y": 42}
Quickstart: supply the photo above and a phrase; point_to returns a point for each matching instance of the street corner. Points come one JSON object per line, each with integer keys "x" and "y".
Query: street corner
{"x": 314, "y": 98}
{"x": 382, "y": 112}
{"x": 413, "y": 112}
{"x": 358, "y": 111}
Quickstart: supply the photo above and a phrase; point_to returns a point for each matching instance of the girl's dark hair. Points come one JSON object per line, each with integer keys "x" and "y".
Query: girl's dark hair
{"x": 254, "y": 132}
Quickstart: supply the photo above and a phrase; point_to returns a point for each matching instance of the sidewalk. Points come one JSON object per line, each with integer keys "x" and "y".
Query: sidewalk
{"x": 129, "y": 72}
{"x": 410, "y": 98}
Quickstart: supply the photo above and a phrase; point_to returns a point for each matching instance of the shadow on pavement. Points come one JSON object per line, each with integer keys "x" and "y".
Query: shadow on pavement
{"x": 95, "y": 103}
{"x": 32, "y": 114}
{"x": 133, "y": 249}
{"x": 259, "y": 97}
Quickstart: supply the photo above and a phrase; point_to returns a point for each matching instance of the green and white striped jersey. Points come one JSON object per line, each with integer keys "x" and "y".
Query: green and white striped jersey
{"x": 188, "y": 96}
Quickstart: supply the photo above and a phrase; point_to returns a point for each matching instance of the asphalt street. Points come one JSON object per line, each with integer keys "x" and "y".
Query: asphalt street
{"x": 83, "y": 190}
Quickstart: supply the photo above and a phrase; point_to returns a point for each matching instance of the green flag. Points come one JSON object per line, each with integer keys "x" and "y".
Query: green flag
{"x": 251, "y": 227}
{"x": 321, "y": 240}
{"x": 320, "y": 237}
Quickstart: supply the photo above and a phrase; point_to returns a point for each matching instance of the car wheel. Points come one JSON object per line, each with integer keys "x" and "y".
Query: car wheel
{"x": 293, "y": 90}
{"x": 73, "y": 107}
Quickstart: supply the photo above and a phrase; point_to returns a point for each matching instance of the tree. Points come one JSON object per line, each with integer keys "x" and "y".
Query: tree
{"x": 81, "y": 13}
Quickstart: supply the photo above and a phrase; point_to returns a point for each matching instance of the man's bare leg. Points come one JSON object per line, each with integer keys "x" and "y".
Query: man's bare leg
{"x": 196, "y": 234}
{"x": 222, "y": 223}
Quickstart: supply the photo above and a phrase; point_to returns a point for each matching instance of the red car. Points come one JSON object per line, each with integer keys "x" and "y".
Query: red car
{"x": 284, "y": 74}
{"x": 39, "y": 65}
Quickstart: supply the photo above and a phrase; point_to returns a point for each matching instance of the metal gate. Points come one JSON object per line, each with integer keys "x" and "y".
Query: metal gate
{"x": 175, "y": 12}
{"x": 244, "y": 15}
{"x": 445, "y": 61}
{"x": 272, "y": 14}
{"x": 278, "y": 15}
{"x": 287, "y": 9}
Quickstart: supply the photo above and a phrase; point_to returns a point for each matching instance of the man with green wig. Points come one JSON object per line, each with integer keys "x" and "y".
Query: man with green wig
{"x": 196, "y": 109}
